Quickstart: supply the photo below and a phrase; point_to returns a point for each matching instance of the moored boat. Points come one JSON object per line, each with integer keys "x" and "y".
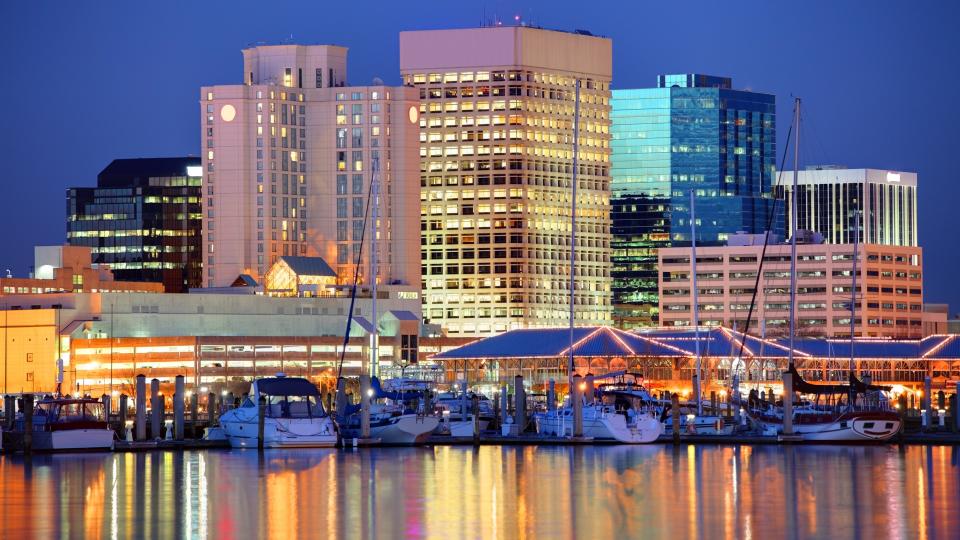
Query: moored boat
{"x": 602, "y": 422}
{"x": 66, "y": 424}
{"x": 294, "y": 416}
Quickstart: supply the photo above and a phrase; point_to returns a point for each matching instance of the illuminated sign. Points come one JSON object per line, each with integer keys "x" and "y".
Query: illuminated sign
{"x": 408, "y": 295}
{"x": 194, "y": 170}
{"x": 893, "y": 177}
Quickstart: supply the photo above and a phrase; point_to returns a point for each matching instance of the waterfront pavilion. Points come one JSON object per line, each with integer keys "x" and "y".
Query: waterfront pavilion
{"x": 666, "y": 357}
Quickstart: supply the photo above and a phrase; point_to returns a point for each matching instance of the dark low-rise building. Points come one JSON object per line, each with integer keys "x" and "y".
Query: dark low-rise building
{"x": 143, "y": 219}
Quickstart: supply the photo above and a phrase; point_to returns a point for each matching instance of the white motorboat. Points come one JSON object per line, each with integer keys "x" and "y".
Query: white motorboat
{"x": 453, "y": 422}
{"x": 602, "y": 422}
{"x": 392, "y": 424}
{"x": 294, "y": 416}
{"x": 64, "y": 424}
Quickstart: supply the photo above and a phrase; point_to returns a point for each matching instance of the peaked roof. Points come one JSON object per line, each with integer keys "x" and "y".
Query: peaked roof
{"x": 555, "y": 342}
{"x": 403, "y": 315}
{"x": 682, "y": 342}
{"x": 244, "y": 280}
{"x": 309, "y": 266}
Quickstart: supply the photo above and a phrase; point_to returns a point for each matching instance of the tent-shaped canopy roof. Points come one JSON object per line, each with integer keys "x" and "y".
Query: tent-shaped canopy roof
{"x": 555, "y": 342}
{"x": 682, "y": 342}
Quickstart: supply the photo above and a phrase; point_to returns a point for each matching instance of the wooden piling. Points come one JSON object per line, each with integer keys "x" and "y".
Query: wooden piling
{"x": 576, "y": 399}
{"x": 713, "y": 402}
{"x": 141, "y": 412}
{"x": 261, "y": 420}
{"x": 365, "y": 406}
{"x": 178, "y": 407}
{"x": 589, "y": 390}
{"x": 552, "y": 395}
{"x": 105, "y": 400}
{"x": 27, "y": 423}
{"x": 194, "y": 411}
{"x": 787, "y": 403}
{"x": 476, "y": 419}
{"x": 519, "y": 404}
{"x": 156, "y": 410}
{"x": 675, "y": 417}
{"x": 211, "y": 409}
{"x": 504, "y": 400}
{"x": 955, "y": 409}
{"x": 122, "y": 413}
{"x": 9, "y": 411}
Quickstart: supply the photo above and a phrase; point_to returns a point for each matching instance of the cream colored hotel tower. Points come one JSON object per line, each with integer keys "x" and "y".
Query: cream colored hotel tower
{"x": 496, "y": 161}
{"x": 288, "y": 157}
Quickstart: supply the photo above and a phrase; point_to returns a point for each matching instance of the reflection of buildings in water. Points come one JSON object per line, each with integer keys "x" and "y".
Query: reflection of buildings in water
{"x": 490, "y": 492}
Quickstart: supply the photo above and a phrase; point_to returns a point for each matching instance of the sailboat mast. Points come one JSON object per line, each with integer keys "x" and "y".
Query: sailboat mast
{"x": 853, "y": 287}
{"x": 573, "y": 223}
{"x": 793, "y": 230}
{"x": 696, "y": 300}
{"x": 374, "y": 220}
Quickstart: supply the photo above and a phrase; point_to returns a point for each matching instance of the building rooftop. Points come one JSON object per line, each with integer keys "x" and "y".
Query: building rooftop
{"x": 309, "y": 266}
{"x": 602, "y": 341}
{"x": 135, "y": 171}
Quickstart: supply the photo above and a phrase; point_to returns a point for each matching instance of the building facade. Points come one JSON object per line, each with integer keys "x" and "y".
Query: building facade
{"x": 59, "y": 269}
{"x": 832, "y": 199}
{"x": 496, "y": 162}
{"x": 142, "y": 219}
{"x": 889, "y": 293}
{"x": 691, "y": 132}
{"x": 220, "y": 340}
{"x": 289, "y": 160}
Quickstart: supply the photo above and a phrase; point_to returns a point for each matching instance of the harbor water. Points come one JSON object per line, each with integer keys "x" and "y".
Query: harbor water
{"x": 652, "y": 491}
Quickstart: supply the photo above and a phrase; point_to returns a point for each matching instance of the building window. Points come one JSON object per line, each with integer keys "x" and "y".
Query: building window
{"x": 29, "y": 357}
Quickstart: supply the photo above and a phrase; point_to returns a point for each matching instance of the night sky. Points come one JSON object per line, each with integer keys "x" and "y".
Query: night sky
{"x": 88, "y": 82}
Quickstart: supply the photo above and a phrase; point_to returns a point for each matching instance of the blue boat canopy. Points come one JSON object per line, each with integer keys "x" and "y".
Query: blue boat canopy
{"x": 287, "y": 386}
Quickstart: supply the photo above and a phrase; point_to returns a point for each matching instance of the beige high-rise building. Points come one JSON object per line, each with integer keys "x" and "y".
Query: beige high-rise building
{"x": 496, "y": 163}
{"x": 288, "y": 158}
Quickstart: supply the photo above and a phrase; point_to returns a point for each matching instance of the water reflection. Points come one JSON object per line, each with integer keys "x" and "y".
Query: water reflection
{"x": 489, "y": 492}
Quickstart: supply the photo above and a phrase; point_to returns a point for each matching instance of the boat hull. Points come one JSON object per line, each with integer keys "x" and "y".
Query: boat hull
{"x": 73, "y": 439}
{"x": 602, "y": 427}
{"x": 702, "y": 425}
{"x": 404, "y": 430}
{"x": 277, "y": 433}
{"x": 458, "y": 428}
{"x": 850, "y": 427}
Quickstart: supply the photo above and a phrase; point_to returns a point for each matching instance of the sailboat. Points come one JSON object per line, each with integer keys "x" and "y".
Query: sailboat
{"x": 866, "y": 415}
{"x": 392, "y": 421}
{"x": 697, "y": 423}
{"x": 600, "y": 421}
{"x": 400, "y": 419}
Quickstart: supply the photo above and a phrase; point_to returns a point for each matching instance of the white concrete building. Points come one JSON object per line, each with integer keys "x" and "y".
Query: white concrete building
{"x": 831, "y": 196}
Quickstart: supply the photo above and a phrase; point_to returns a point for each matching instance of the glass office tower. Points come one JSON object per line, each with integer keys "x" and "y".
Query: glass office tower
{"x": 691, "y": 132}
{"x": 143, "y": 219}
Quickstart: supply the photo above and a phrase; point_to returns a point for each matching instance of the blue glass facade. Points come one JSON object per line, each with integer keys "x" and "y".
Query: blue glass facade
{"x": 692, "y": 132}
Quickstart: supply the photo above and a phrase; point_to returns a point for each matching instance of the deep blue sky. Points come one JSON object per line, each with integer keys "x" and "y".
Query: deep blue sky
{"x": 86, "y": 82}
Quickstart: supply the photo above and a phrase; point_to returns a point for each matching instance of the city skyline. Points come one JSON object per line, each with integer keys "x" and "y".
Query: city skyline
{"x": 881, "y": 124}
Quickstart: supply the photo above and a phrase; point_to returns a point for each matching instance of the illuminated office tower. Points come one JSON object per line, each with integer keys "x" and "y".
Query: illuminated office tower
{"x": 142, "y": 219}
{"x": 833, "y": 198}
{"x": 691, "y": 132}
{"x": 496, "y": 163}
{"x": 288, "y": 158}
